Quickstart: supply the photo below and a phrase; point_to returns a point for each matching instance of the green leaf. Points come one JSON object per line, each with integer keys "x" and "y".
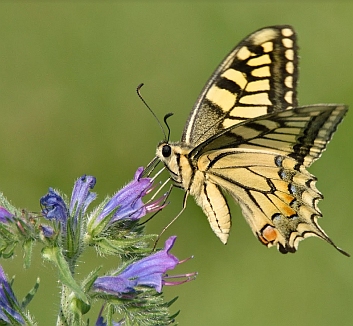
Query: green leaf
{"x": 79, "y": 308}
{"x": 7, "y": 205}
{"x": 55, "y": 255}
{"x": 27, "y": 248}
{"x": 89, "y": 280}
{"x": 94, "y": 229}
{"x": 10, "y": 248}
{"x": 28, "y": 298}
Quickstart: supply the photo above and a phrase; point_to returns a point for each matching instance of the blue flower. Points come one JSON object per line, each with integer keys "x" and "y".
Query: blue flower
{"x": 5, "y": 215}
{"x": 127, "y": 203}
{"x": 47, "y": 231}
{"x": 9, "y": 305}
{"x": 148, "y": 271}
{"x": 54, "y": 206}
{"x": 81, "y": 196}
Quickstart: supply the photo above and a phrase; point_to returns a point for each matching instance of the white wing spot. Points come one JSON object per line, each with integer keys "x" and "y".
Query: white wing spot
{"x": 259, "y": 98}
{"x": 289, "y": 54}
{"x": 258, "y": 85}
{"x": 262, "y": 72}
{"x": 259, "y": 61}
{"x": 243, "y": 53}
{"x": 289, "y": 81}
{"x": 290, "y": 67}
{"x": 223, "y": 98}
{"x": 287, "y": 42}
{"x": 287, "y": 32}
{"x": 235, "y": 76}
{"x": 289, "y": 96}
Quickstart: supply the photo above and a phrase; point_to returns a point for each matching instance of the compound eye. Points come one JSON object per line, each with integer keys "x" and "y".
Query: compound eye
{"x": 166, "y": 151}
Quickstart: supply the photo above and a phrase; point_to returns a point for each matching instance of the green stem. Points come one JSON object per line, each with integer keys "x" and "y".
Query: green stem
{"x": 63, "y": 316}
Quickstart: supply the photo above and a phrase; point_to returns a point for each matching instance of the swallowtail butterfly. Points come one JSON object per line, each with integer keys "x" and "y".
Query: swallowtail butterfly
{"x": 247, "y": 136}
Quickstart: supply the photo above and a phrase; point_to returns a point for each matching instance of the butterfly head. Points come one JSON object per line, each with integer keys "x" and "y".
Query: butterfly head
{"x": 174, "y": 156}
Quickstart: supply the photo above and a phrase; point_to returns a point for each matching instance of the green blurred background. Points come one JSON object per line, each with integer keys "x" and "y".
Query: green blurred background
{"x": 68, "y": 73}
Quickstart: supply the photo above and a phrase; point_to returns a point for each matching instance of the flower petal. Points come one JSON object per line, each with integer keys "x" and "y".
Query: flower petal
{"x": 5, "y": 215}
{"x": 5, "y": 306}
{"x": 54, "y": 206}
{"x": 81, "y": 196}
{"x": 127, "y": 203}
{"x": 148, "y": 271}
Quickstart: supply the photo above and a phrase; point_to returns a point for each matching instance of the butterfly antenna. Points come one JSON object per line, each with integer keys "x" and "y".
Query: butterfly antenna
{"x": 144, "y": 102}
{"x": 166, "y": 117}
{"x": 172, "y": 221}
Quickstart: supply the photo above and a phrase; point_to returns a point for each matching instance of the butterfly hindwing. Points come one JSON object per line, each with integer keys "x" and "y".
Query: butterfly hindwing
{"x": 276, "y": 200}
{"x": 259, "y": 76}
{"x": 264, "y": 169}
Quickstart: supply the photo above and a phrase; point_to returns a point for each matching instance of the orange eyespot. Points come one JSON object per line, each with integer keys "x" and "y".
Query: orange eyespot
{"x": 268, "y": 234}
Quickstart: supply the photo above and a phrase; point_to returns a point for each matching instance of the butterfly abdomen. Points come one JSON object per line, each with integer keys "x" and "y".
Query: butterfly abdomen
{"x": 209, "y": 197}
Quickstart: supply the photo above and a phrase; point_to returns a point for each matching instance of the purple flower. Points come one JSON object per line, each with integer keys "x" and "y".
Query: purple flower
{"x": 127, "y": 203}
{"x": 47, "y": 231}
{"x": 100, "y": 322}
{"x": 8, "y": 302}
{"x": 81, "y": 196}
{"x": 54, "y": 206}
{"x": 5, "y": 215}
{"x": 148, "y": 271}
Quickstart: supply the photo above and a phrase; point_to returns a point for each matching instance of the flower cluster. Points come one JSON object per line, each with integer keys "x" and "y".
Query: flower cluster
{"x": 112, "y": 228}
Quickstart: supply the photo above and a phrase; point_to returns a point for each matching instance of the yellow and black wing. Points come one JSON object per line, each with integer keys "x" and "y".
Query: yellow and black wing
{"x": 258, "y": 77}
{"x": 301, "y": 133}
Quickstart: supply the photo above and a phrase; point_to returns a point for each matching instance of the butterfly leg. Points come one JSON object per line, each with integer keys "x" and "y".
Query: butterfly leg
{"x": 173, "y": 220}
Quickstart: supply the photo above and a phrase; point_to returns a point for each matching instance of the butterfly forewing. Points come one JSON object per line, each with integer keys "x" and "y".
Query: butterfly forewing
{"x": 258, "y": 77}
{"x": 301, "y": 133}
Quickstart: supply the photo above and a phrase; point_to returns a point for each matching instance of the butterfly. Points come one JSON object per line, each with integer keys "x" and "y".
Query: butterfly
{"x": 247, "y": 136}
